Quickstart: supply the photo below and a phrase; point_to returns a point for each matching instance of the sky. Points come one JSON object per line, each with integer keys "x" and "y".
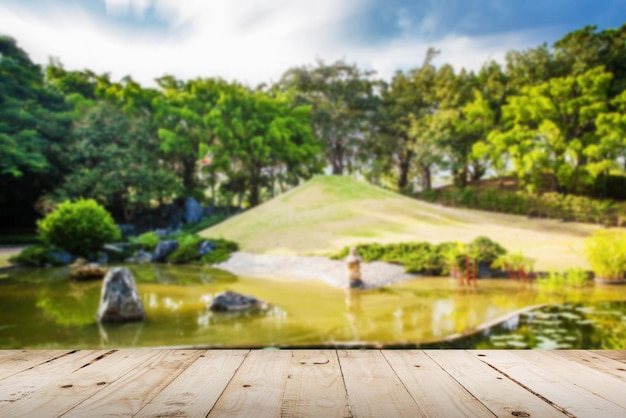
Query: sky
{"x": 255, "y": 41}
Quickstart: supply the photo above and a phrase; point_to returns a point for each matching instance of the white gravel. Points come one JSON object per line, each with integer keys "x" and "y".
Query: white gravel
{"x": 333, "y": 272}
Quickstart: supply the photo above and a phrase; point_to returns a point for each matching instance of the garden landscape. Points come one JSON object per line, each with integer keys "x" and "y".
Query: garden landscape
{"x": 380, "y": 208}
{"x": 205, "y": 189}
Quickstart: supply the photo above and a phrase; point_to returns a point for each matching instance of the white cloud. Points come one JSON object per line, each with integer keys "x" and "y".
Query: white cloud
{"x": 246, "y": 40}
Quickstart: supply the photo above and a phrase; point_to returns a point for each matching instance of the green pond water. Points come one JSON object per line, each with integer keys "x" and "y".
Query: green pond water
{"x": 40, "y": 308}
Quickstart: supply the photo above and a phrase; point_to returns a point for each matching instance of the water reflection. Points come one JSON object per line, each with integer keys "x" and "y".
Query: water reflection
{"x": 45, "y": 310}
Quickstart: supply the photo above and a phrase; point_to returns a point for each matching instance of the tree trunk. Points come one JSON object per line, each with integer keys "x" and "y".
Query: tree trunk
{"x": 426, "y": 177}
{"x": 404, "y": 166}
{"x": 189, "y": 173}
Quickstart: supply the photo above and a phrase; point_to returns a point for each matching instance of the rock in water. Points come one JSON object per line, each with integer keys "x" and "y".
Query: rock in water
{"x": 120, "y": 301}
{"x": 192, "y": 211}
{"x": 235, "y": 302}
{"x": 91, "y": 271}
{"x": 163, "y": 249}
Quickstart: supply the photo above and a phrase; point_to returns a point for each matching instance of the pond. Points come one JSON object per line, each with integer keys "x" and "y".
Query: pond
{"x": 42, "y": 309}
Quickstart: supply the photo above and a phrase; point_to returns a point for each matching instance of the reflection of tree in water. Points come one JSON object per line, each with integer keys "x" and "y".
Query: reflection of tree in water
{"x": 179, "y": 275}
{"x": 71, "y": 304}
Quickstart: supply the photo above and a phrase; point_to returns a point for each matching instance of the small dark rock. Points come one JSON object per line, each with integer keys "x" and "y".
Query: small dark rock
{"x": 235, "y": 302}
{"x": 163, "y": 249}
{"x": 205, "y": 247}
{"x": 140, "y": 257}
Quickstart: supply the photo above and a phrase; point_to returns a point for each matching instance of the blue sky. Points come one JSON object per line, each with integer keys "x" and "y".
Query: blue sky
{"x": 256, "y": 41}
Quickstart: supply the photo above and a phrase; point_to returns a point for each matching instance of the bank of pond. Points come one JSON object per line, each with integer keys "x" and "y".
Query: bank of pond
{"x": 43, "y": 309}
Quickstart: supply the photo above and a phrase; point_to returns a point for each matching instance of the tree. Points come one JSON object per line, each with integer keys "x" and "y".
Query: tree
{"x": 551, "y": 132}
{"x": 258, "y": 135}
{"x": 183, "y": 130}
{"x": 34, "y": 123}
{"x": 343, "y": 101}
{"x": 111, "y": 160}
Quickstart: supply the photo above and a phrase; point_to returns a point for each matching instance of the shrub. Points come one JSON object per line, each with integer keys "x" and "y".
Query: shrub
{"x": 222, "y": 251}
{"x": 80, "y": 227}
{"x": 576, "y": 277}
{"x": 606, "y": 253}
{"x": 187, "y": 250}
{"x": 486, "y": 250}
{"x": 203, "y": 224}
{"x": 35, "y": 256}
{"x": 147, "y": 241}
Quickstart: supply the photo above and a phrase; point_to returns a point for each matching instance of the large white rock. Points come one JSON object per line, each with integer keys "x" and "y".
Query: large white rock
{"x": 119, "y": 301}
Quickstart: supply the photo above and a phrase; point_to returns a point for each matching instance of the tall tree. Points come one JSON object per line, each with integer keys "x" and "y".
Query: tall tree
{"x": 551, "y": 131}
{"x": 256, "y": 135}
{"x": 112, "y": 163}
{"x": 34, "y": 123}
{"x": 343, "y": 102}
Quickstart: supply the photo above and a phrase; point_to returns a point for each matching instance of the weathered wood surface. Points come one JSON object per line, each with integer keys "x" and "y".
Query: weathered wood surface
{"x": 312, "y": 383}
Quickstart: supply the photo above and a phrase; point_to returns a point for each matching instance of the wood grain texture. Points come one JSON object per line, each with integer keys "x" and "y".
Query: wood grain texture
{"x": 257, "y": 388}
{"x": 503, "y": 397}
{"x": 15, "y": 361}
{"x": 597, "y": 362}
{"x": 598, "y": 384}
{"x": 373, "y": 388}
{"x": 64, "y": 393}
{"x": 194, "y": 392}
{"x": 27, "y": 382}
{"x": 619, "y": 355}
{"x": 126, "y": 396}
{"x": 435, "y": 392}
{"x": 314, "y": 386}
{"x": 552, "y": 386}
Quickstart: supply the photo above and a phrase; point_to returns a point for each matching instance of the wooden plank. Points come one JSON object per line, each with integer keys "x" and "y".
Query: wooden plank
{"x": 257, "y": 388}
{"x": 15, "y": 361}
{"x": 619, "y": 355}
{"x": 436, "y": 393}
{"x": 373, "y": 388}
{"x": 551, "y": 386}
{"x": 595, "y": 361}
{"x": 314, "y": 386}
{"x": 600, "y": 384}
{"x": 27, "y": 382}
{"x": 503, "y": 397}
{"x": 66, "y": 391}
{"x": 194, "y": 392}
{"x": 126, "y": 396}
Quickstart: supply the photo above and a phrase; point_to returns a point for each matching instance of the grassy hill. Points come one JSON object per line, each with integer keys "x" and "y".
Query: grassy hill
{"x": 330, "y": 212}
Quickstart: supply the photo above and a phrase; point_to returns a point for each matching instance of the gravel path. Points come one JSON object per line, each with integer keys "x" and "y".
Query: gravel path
{"x": 333, "y": 272}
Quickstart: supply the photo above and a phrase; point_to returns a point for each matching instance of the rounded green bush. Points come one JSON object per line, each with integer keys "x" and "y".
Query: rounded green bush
{"x": 80, "y": 227}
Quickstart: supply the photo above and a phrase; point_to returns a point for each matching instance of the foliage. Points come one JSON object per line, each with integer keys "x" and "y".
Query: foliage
{"x": 342, "y": 100}
{"x": 555, "y": 282}
{"x": 109, "y": 162}
{"x": 222, "y": 251}
{"x": 35, "y": 256}
{"x": 606, "y": 253}
{"x": 259, "y": 137}
{"x": 187, "y": 250}
{"x": 147, "y": 241}
{"x": 486, "y": 250}
{"x": 546, "y": 205}
{"x": 426, "y": 258}
{"x": 80, "y": 227}
{"x": 194, "y": 228}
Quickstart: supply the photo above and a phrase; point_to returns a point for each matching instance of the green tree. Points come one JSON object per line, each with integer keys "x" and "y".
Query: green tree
{"x": 111, "y": 160}
{"x": 257, "y": 135}
{"x": 343, "y": 102}
{"x": 34, "y": 123}
{"x": 551, "y": 134}
{"x": 183, "y": 128}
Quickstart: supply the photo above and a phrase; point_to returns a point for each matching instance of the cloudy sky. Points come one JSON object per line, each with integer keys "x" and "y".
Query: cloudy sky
{"x": 255, "y": 41}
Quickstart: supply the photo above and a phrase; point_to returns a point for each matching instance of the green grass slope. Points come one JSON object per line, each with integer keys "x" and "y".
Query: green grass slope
{"x": 330, "y": 212}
